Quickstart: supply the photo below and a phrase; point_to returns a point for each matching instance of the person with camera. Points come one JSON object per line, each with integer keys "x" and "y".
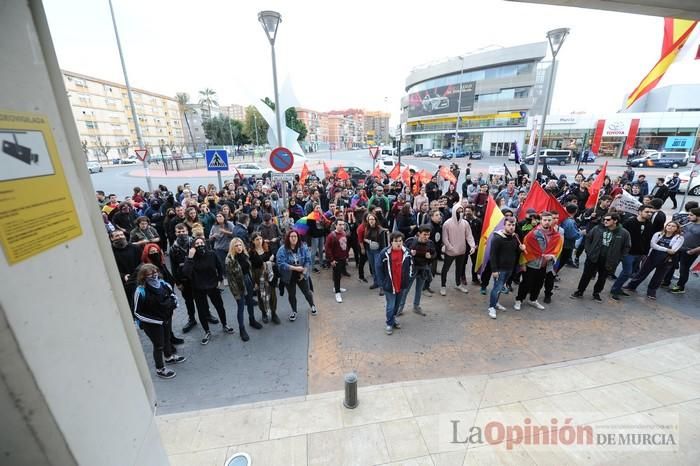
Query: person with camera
{"x": 154, "y": 303}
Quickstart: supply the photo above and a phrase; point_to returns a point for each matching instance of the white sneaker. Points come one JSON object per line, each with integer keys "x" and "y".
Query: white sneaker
{"x": 463, "y": 288}
{"x": 342, "y": 290}
{"x": 536, "y": 305}
{"x": 517, "y": 305}
{"x": 500, "y": 307}
{"x": 443, "y": 291}
{"x": 338, "y": 298}
{"x": 492, "y": 313}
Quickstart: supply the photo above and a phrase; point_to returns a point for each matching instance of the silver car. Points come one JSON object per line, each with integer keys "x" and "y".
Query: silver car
{"x": 94, "y": 167}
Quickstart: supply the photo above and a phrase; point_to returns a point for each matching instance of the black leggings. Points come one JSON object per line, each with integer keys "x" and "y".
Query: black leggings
{"x": 160, "y": 337}
{"x": 459, "y": 268}
{"x": 200, "y": 297}
{"x": 303, "y": 285}
{"x": 338, "y": 273}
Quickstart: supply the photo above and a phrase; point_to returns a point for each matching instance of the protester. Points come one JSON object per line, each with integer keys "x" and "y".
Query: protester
{"x": 394, "y": 273}
{"x": 337, "y": 254}
{"x": 262, "y": 261}
{"x": 294, "y": 262}
{"x": 240, "y": 282}
{"x": 688, "y": 253}
{"x": 423, "y": 251}
{"x": 457, "y": 239}
{"x": 505, "y": 252}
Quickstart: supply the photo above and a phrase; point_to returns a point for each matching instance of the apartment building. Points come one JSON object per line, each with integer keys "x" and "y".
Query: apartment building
{"x": 233, "y": 111}
{"x": 344, "y": 129}
{"x": 377, "y": 128}
{"x": 103, "y": 116}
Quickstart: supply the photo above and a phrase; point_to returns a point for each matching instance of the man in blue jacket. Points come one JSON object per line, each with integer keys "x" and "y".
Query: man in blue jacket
{"x": 394, "y": 274}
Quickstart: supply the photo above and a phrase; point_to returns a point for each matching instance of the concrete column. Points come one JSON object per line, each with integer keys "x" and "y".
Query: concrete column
{"x": 74, "y": 385}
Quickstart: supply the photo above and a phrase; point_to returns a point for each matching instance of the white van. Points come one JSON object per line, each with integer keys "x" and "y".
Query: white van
{"x": 388, "y": 151}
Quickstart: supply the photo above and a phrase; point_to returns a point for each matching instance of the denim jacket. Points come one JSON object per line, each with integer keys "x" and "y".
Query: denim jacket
{"x": 286, "y": 258}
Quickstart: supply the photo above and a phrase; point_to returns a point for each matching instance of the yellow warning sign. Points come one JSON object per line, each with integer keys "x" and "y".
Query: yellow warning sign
{"x": 36, "y": 207}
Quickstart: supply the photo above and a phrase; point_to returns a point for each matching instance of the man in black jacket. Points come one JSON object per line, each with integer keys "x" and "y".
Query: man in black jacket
{"x": 505, "y": 252}
{"x": 640, "y": 231}
{"x": 423, "y": 251}
{"x": 660, "y": 190}
{"x": 606, "y": 244}
{"x": 128, "y": 257}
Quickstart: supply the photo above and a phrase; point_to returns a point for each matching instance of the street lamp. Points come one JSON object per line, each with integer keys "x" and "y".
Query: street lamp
{"x": 270, "y": 21}
{"x": 556, "y": 40}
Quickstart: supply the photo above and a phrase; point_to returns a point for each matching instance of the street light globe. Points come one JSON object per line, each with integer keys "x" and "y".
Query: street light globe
{"x": 270, "y": 20}
{"x": 556, "y": 39}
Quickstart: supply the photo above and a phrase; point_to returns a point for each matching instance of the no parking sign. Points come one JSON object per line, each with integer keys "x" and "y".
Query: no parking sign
{"x": 281, "y": 159}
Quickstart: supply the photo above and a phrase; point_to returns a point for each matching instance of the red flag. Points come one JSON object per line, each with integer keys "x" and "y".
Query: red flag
{"x": 406, "y": 177}
{"x": 536, "y": 199}
{"x": 341, "y": 174}
{"x": 395, "y": 172}
{"x": 447, "y": 174}
{"x": 425, "y": 176}
{"x": 304, "y": 174}
{"x": 377, "y": 172}
{"x": 555, "y": 206}
{"x": 327, "y": 171}
{"x": 595, "y": 188}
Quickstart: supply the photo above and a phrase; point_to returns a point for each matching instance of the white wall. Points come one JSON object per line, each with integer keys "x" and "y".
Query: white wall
{"x": 71, "y": 324}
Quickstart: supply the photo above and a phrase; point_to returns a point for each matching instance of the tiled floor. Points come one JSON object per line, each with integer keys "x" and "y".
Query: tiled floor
{"x": 428, "y": 422}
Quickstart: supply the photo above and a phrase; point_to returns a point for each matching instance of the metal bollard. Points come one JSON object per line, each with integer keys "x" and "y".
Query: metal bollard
{"x": 351, "y": 400}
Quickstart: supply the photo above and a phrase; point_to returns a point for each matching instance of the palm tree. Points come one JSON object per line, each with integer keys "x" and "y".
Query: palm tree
{"x": 183, "y": 99}
{"x": 208, "y": 98}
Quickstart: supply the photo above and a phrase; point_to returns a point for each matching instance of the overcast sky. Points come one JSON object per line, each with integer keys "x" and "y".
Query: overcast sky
{"x": 343, "y": 54}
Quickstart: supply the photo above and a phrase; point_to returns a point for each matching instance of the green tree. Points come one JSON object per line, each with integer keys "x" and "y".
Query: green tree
{"x": 291, "y": 119}
{"x": 183, "y": 99}
{"x": 220, "y": 131}
{"x": 208, "y": 97}
{"x": 255, "y": 127}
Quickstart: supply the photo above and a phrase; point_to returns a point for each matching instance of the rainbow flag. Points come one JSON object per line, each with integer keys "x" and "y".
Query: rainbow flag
{"x": 302, "y": 227}
{"x": 493, "y": 220}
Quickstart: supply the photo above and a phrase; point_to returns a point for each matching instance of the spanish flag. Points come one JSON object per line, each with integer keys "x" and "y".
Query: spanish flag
{"x": 676, "y": 33}
{"x": 493, "y": 219}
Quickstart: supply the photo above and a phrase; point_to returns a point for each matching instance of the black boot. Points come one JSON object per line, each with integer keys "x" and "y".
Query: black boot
{"x": 265, "y": 318}
{"x": 175, "y": 340}
{"x": 244, "y": 334}
{"x": 275, "y": 319}
{"x": 254, "y": 323}
{"x": 189, "y": 326}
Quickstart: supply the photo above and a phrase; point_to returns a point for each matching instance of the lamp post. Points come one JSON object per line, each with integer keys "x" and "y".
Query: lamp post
{"x": 137, "y": 126}
{"x": 270, "y": 21}
{"x": 459, "y": 107}
{"x": 556, "y": 40}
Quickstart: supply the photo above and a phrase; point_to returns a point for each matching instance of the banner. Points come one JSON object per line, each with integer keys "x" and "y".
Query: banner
{"x": 441, "y": 100}
{"x": 497, "y": 170}
{"x": 626, "y": 202}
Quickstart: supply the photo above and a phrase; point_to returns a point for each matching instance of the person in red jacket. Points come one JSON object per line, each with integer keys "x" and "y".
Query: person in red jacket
{"x": 337, "y": 254}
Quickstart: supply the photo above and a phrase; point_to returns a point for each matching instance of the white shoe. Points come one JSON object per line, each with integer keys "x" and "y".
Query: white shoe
{"x": 443, "y": 291}
{"x": 536, "y": 305}
{"x": 338, "y": 298}
{"x": 500, "y": 307}
{"x": 463, "y": 288}
{"x": 492, "y": 313}
{"x": 342, "y": 290}
{"x": 517, "y": 305}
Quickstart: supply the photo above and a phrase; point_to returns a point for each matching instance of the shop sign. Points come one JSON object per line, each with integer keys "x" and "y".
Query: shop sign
{"x": 679, "y": 142}
{"x": 616, "y": 128}
{"x": 562, "y": 120}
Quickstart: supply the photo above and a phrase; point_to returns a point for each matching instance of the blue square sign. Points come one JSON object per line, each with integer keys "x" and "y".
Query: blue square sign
{"x": 217, "y": 160}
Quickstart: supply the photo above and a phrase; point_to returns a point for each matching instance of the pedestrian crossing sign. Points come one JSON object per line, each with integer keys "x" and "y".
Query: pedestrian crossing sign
{"x": 217, "y": 160}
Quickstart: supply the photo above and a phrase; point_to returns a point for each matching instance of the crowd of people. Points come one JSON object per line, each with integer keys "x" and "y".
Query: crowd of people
{"x": 264, "y": 238}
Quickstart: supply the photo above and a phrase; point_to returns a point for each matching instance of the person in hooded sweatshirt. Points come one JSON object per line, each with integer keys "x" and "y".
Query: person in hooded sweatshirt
{"x": 456, "y": 236}
{"x": 207, "y": 277}
{"x": 154, "y": 303}
{"x": 128, "y": 257}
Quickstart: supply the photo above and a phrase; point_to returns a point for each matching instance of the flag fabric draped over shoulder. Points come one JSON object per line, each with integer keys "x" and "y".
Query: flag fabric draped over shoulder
{"x": 596, "y": 186}
{"x": 493, "y": 220}
{"x": 533, "y": 250}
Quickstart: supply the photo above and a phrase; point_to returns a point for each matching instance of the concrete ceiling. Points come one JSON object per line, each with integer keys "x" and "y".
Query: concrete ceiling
{"x": 686, "y": 9}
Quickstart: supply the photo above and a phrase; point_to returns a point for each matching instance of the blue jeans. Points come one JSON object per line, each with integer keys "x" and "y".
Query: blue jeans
{"x": 393, "y": 304}
{"x": 628, "y": 266}
{"x": 246, "y": 300}
{"x": 498, "y": 285}
{"x": 317, "y": 244}
{"x": 420, "y": 279}
{"x": 372, "y": 259}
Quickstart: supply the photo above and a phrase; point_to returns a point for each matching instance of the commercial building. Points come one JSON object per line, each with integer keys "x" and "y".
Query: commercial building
{"x": 103, "y": 116}
{"x": 491, "y": 92}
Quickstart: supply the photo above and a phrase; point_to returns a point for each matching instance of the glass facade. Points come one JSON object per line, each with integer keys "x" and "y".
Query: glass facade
{"x": 495, "y": 72}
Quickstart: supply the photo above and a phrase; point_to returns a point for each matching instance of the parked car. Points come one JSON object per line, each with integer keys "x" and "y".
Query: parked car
{"x": 130, "y": 160}
{"x": 407, "y": 151}
{"x": 661, "y": 159}
{"x": 387, "y": 164}
{"x": 462, "y": 153}
{"x": 252, "y": 169}
{"x": 447, "y": 155}
{"x": 551, "y": 156}
{"x": 422, "y": 153}
{"x": 356, "y": 174}
{"x": 435, "y": 153}
{"x": 94, "y": 167}
{"x": 476, "y": 155}
{"x": 685, "y": 178}
{"x": 387, "y": 151}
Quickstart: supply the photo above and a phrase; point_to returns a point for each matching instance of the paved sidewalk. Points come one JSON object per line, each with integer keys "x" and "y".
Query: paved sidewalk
{"x": 653, "y": 389}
